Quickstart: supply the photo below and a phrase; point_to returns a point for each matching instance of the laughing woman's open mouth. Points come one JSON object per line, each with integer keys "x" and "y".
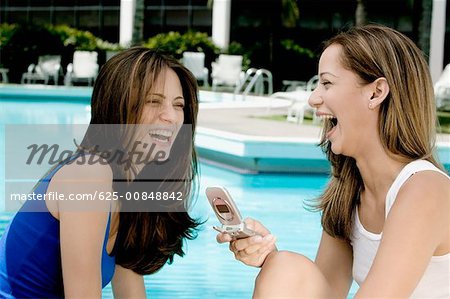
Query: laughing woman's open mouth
{"x": 330, "y": 123}
{"x": 161, "y": 136}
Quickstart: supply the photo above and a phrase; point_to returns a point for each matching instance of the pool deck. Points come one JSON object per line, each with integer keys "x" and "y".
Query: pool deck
{"x": 250, "y": 122}
{"x": 239, "y": 138}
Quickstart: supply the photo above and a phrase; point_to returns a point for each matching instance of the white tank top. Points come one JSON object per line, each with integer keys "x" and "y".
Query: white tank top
{"x": 435, "y": 282}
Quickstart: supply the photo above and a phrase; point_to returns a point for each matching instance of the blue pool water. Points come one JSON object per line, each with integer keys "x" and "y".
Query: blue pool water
{"x": 208, "y": 270}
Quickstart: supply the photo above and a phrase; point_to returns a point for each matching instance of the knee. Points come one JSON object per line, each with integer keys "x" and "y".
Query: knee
{"x": 284, "y": 268}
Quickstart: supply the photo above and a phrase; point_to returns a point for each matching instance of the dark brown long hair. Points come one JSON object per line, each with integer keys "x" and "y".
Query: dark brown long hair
{"x": 407, "y": 117}
{"x": 146, "y": 241}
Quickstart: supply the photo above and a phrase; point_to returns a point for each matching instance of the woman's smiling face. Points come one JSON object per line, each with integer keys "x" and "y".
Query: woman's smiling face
{"x": 342, "y": 99}
{"x": 162, "y": 116}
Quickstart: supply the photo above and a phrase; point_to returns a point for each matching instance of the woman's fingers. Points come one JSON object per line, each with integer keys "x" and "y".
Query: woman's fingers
{"x": 255, "y": 253}
{"x": 241, "y": 244}
{"x": 261, "y": 246}
{"x": 256, "y": 226}
{"x": 267, "y": 242}
{"x": 251, "y": 251}
{"x": 223, "y": 238}
{"x": 256, "y": 258}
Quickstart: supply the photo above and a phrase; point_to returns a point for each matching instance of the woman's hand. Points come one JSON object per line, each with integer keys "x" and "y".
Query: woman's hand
{"x": 252, "y": 251}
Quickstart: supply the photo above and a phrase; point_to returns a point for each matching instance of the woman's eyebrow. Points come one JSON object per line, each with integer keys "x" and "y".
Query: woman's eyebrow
{"x": 327, "y": 73}
{"x": 158, "y": 94}
{"x": 163, "y": 96}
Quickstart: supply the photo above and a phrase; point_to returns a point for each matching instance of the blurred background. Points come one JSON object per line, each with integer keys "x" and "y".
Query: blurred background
{"x": 283, "y": 36}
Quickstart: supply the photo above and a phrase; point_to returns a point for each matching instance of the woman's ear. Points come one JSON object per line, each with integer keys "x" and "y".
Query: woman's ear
{"x": 380, "y": 90}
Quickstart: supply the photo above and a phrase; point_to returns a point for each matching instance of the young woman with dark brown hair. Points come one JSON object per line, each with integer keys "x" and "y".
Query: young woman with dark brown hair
{"x": 52, "y": 250}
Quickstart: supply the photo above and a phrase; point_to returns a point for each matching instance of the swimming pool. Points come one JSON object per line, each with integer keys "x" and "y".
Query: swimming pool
{"x": 208, "y": 270}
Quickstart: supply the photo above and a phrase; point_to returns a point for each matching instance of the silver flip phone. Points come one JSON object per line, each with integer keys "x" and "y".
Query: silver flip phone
{"x": 227, "y": 213}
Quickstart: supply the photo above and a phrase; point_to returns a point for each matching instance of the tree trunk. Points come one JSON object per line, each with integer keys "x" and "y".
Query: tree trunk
{"x": 416, "y": 17}
{"x": 360, "y": 14}
{"x": 138, "y": 26}
{"x": 425, "y": 26}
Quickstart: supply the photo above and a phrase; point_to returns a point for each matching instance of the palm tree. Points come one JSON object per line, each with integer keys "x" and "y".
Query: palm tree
{"x": 138, "y": 24}
{"x": 361, "y": 13}
{"x": 289, "y": 13}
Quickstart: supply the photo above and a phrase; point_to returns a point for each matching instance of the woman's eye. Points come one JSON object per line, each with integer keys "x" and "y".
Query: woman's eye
{"x": 325, "y": 83}
{"x": 153, "y": 101}
{"x": 180, "y": 105}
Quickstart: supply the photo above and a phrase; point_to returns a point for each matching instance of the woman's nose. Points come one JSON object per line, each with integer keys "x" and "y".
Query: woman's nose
{"x": 168, "y": 113}
{"x": 315, "y": 100}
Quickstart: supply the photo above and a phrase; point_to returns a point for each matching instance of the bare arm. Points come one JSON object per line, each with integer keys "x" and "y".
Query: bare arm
{"x": 127, "y": 284}
{"x": 334, "y": 259}
{"x": 82, "y": 232}
{"x": 416, "y": 228}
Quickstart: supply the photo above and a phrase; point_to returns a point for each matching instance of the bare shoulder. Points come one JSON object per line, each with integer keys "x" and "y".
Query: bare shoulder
{"x": 422, "y": 207}
{"x": 415, "y": 229}
{"x": 426, "y": 188}
{"x": 81, "y": 186}
{"x": 82, "y": 169}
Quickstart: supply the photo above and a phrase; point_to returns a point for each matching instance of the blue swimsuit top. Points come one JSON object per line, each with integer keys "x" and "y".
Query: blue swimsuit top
{"x": 30, "y": 255}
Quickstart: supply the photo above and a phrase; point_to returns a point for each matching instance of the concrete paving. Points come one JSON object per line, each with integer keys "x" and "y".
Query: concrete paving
{"x": 249, "y": 121}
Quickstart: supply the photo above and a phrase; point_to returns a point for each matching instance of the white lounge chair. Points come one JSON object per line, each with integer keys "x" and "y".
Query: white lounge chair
{"x": 227, "y": 71}
{"x": 195, "y": 62}
{"x": 299, "y": 98}
{"x": 442, "y": 89}
{"x": 83, "y": 69}
{"x": 48, "y": 67}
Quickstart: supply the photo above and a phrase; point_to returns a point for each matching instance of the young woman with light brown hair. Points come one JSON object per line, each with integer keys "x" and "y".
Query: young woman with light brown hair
{"x": 385, "y": 211}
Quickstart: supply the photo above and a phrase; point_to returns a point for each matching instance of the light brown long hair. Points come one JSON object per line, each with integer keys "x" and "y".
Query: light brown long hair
{"x": 407, "y": 117}
{"x": 146, "y": 241}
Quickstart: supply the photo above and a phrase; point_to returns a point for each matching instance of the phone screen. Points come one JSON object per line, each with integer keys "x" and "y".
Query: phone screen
{"x": 222, "y": 209}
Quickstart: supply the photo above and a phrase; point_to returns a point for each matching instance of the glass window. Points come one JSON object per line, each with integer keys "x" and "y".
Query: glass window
{"x": 40, "y": 17}
{"x": 88, "y": 2}
{"x": 88, "y": 18}
{"x": 111, "y": 2}
{"x": 17, "y": 17}
{"x": 177, "y": 18}
{"x": 199, "y": 2}
{"x": 19, "y": 3}
{"x": 111, "y": 18}
{"x": 176, "y": 2}
{"x": 41, "y": 3}
{"x": 65, "y": 2}
{"x": 153, "y": 17}
{"x": 64, "y": 17}
{"x": 202, "y": 17}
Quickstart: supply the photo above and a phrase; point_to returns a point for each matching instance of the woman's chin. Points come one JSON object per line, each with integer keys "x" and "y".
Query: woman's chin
{"x": 335, "y": 148}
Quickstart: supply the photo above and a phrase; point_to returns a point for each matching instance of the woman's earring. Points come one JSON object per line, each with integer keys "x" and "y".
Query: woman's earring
{"x": 370, "y": 105}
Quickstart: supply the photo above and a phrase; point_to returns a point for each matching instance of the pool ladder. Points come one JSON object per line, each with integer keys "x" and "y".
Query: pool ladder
{"x": 255, "y": 79}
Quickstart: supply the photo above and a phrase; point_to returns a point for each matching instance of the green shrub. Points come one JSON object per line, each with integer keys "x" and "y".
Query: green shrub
{"x": 175, "y": 43}
{"x": 444, "y": 122}
{"x": 24, "y": 46}
{"x": 81, "y": 40}
{"x": 290, "y": 45}
{"x": 6, "y": 32}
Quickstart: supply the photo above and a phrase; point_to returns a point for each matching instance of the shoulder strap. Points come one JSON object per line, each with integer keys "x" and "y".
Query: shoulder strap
{"x": 403, "y": 176}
